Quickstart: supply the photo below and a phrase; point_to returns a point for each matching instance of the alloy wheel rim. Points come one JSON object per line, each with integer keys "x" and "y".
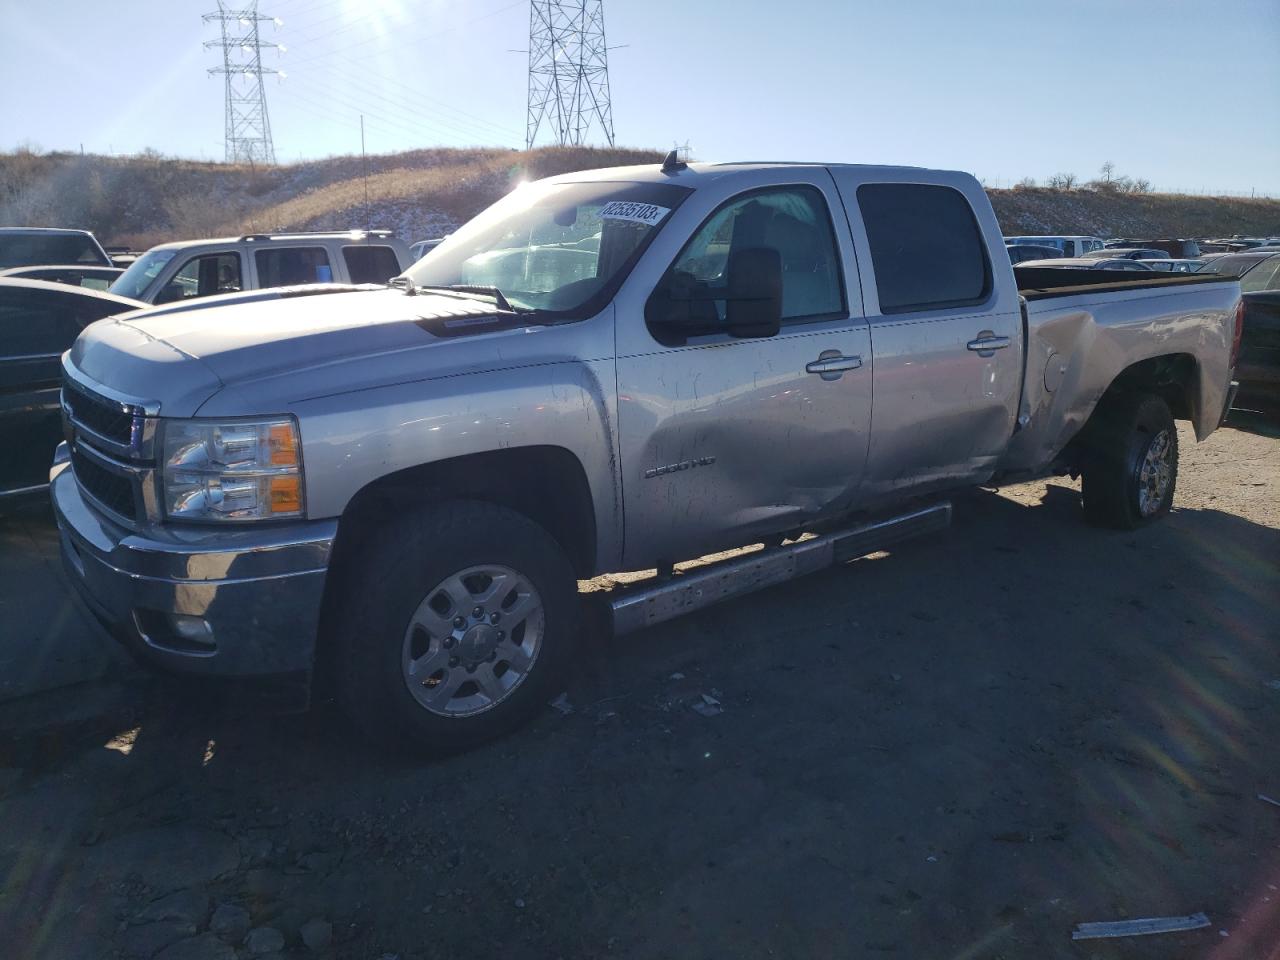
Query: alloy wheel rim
{"x": 1155, "y": 474}
{"x": 472, "y": 640}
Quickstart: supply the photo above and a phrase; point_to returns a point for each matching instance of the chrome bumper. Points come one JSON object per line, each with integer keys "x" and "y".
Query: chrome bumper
{"x": 218, "y": 602}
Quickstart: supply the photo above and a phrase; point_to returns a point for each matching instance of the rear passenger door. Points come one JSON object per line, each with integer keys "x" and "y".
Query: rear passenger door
{"x": 946, "y": 332}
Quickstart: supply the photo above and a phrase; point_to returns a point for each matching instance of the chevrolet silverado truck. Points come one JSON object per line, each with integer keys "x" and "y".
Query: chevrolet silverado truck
{"x": 399, "y": 489}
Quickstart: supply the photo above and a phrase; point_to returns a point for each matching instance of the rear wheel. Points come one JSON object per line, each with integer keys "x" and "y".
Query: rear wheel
{"x": 1131, "y": 467}
{"x": 455, "y": 626}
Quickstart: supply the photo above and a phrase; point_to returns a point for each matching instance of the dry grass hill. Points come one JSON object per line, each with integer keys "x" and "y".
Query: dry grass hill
{"x": 147, "y": 199}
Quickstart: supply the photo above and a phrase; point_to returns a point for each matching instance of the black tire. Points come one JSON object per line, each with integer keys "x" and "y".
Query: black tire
{"x": 1124, "y": 430}
{"x": 386, "y": 584}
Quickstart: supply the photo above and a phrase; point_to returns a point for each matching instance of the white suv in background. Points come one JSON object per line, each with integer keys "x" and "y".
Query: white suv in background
{"x": 173, "y": 272}
{"x": 1070, "y": 246}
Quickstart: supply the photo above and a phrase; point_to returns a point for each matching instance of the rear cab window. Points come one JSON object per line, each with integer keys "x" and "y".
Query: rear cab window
{"x": 290, "y": 266}
{"x": 371, "y": 263}
{"x": 927, "y": 249}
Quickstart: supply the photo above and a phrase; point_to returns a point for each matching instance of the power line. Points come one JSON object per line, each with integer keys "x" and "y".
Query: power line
{"x": 248, "y": 127}
{"x": 568, "y": 71}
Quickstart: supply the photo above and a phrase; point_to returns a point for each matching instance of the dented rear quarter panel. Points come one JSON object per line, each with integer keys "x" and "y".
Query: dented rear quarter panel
{"x": 1079, "y": 343}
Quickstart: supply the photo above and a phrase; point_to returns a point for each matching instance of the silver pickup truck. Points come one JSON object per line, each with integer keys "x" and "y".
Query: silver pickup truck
{"x": 625, "y": 369}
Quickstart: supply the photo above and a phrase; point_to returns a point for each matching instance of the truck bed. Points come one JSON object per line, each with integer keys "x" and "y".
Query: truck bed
{"x": 1044, "y": 283}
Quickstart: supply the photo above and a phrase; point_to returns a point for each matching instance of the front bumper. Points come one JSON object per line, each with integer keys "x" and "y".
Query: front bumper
{"x": 233, "y": 603}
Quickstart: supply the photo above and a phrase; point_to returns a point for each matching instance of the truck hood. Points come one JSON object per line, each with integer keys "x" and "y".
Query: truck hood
{"x": 181, "y": 358}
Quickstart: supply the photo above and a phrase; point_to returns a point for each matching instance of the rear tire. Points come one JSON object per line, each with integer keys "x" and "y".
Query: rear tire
{"x": 1131, "y": 465}
{"x": 455, "y": 625}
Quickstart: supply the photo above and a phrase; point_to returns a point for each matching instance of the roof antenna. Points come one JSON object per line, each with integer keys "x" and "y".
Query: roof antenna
{"x": 674, "y": 162}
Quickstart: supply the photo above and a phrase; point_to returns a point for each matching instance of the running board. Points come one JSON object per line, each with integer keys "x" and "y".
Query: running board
{"x": 702, "y": 587}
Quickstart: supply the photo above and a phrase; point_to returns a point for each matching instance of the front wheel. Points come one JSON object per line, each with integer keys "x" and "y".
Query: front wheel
{"x": 1131, "y": 467}
{"x": 455, "y": 627}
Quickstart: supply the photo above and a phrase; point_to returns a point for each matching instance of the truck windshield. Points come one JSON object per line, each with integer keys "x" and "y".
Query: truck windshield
{"x": 134, "y": 281}
{"x": 561, "y": 249}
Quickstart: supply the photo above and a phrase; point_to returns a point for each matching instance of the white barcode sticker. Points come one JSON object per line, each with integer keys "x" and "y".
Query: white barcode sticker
{"x": 649, "y": 214}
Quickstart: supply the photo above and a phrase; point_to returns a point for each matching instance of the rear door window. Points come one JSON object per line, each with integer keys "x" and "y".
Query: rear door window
{"x": 289, "y": 266}
{"x": 927, "y": 250}
{"x": 370, "y": 263}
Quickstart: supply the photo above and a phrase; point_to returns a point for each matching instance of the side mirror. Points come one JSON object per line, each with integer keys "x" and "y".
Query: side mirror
{"x": 753, "y": 300}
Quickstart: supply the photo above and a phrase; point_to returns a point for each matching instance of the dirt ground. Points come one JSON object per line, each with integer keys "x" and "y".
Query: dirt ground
{"x": 959, "y": 749}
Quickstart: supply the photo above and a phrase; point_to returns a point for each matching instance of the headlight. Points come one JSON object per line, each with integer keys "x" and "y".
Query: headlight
{"x": 237, "y": 470}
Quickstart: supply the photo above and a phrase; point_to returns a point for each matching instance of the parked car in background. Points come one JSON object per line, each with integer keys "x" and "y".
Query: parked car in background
{"x": 1240, "y": 243}
{"x": 122, "y": 257}
{"x": 1129, "y": 253}
{"x": 89, "y": 276}
{"x": 39, "y": 320}
{"x": 1089, "y": 263}
{"x": 1258, "y": 371}
{"x": 1171, "y": 265}
{"x": 200, "y": 268}
{"x": 1019, "y": 252}
{"x": 1255, "y": 270}
{"x": 1181, "y": 249}
{"x": 412, "y": 480}
{"x": 1066, "y": 246}
{"x": 38, "y": 246}
{"x": 420, "y": 249}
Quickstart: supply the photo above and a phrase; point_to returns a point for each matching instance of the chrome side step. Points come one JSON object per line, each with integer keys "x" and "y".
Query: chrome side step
{"x": 702, "y": 587}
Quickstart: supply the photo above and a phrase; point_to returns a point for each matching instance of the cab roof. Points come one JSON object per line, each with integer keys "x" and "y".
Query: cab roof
{"x": 697, "y": 173}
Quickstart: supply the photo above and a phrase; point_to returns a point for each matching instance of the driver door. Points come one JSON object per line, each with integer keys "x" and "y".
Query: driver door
{"x": 726, "y": 440}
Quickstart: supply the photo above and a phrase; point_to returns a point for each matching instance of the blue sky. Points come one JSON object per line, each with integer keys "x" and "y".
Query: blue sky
{"x": 1183, "y": 93}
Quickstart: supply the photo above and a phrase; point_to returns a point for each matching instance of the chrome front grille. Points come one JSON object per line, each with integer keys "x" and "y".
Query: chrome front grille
{"x": 111, "y": 442}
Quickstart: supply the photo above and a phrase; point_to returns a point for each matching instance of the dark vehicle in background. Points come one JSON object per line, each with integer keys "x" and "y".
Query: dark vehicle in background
{"x": 1179, "y": 249}
{"x": 1171, "y": 265}
{"x": 1129, "y": 253}
{"x": 1239, "y": 243}
{"x": 1089, "y": 263}
{"x": 1018, "y": 252}
{"x": 1258, "y": 369}
{"x": 420, "y": 249}
{"x": 89, "y": 276}
{"x": 37, "y": 246}
{"x": 39, "y": 320}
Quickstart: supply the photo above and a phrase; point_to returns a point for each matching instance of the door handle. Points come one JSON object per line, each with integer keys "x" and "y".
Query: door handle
{"x": 987, "y": 343}
{"x": 831, "y": 364}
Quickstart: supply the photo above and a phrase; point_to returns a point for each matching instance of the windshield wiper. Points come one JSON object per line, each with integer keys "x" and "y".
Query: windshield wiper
{"x": 474, "y": 290}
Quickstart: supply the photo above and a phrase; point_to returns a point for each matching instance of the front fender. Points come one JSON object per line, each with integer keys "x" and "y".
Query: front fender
{"x": 349, "y": 440}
